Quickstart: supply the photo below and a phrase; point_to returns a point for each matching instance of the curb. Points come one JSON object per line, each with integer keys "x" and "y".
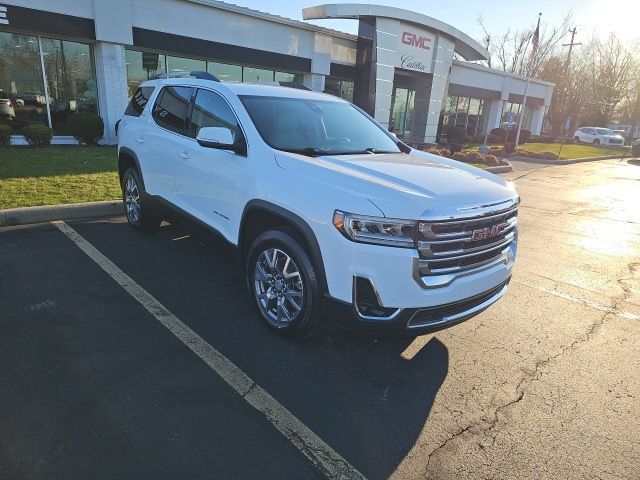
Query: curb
{"x": 48, "y": 213}
{"x": 500, "y": 168}
{"x": 567, "y": 161}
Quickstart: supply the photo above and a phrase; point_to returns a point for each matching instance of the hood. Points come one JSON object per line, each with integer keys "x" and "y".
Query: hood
{"x": 427, "y": 183}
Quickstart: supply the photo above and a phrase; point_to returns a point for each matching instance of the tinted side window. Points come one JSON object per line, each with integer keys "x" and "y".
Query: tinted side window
{"x": 171, "y": 108}
{"x": 139, "y": 101}
{"x": 211, "y": 110}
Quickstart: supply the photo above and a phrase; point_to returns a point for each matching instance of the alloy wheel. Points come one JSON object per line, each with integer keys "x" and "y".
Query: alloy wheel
{"x": 278, "y": 287}
{"x": 132, "y": 200}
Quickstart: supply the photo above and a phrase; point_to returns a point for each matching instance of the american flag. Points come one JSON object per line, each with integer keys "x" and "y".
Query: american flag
{"x": 535, "y": 43}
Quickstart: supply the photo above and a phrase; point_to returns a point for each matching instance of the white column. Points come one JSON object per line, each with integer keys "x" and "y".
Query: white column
{"x": 537, "y": 118}
{"x": 382, "y": 70}
{"x": 320, "y": 63}
{"x": 495, "y": 115}
{"x": 442, "y": 59}
{"x": 314, "y": 81}
{"x": 111, "y": 79}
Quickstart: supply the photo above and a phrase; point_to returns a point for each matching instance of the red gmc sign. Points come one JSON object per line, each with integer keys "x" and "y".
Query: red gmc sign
{"x": 417, "y": 41}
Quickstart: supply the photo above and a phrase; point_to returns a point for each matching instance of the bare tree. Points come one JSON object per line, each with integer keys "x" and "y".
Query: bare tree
{"x": 609, "y": 71}
{"x": 510, "y": 52}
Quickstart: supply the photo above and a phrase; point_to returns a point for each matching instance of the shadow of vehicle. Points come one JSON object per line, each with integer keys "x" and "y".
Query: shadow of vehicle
{"x": 634, "y": 161}
{"x": 358, "y": 393}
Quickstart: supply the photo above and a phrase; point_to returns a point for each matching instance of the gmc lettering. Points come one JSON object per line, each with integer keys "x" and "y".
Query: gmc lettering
{"x": 414, "y": 40}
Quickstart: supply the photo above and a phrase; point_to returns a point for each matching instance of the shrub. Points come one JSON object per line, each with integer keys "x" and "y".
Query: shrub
{"x": 524, "y": 135}
{"x": 500, "y": 134}
{"x": 86, "y": 127}
{"x": 466, "y": 157}
{"x": 5, "y": 135}
{"x": 547, "y": 139}
{"x": 493, "y": 140}
{"x": 456, "y": 134}
{"x": 38, "y": 135}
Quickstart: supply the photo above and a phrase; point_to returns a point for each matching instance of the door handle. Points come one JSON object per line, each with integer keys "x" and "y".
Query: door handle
{"x": 140, "y": 140}
{"x": 184, "y": 155}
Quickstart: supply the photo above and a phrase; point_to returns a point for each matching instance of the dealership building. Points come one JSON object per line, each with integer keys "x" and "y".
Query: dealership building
{"x": 416, "y": 75}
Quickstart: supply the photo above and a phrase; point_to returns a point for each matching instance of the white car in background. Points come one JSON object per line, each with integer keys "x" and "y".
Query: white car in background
{"x": 598, "y": 136}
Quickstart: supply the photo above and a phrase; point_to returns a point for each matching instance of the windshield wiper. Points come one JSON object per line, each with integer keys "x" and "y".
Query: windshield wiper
{"x": 308, "y": 151}
{"x": 375, "y": 150}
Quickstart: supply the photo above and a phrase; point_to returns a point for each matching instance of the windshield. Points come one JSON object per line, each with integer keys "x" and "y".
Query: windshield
{"x": 604, "y": 131}
{"x": 316, "y": 127}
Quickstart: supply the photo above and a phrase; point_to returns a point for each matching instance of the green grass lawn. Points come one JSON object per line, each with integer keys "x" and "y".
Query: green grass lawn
{"x": 58, "y": 174}
{"x": 569, "y": 151}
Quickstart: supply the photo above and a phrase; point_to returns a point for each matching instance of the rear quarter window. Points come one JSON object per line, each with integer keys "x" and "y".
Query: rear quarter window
{"x": 171, "y": 108}
{"x": 138, "y": 101}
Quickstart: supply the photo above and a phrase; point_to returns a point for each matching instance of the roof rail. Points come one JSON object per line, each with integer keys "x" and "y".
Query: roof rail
{"x": 200, "y": 75}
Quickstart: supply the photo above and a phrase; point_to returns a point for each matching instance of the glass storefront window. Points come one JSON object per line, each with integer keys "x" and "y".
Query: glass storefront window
{"x": 289, "y": 77}
{"x": 339, "y": 88}
{"x": 464, "y": 112}
{"x": 510, "y": 115}
{"x": 257, "y": 75}
{"x": 402, "y": 105}
{"x": 180, "y": 64}
{"x": 70, "y": 79}
{"x": 141, "y": 66}
{"x": 21, "y": 81}
{"x": 225, "y": 72}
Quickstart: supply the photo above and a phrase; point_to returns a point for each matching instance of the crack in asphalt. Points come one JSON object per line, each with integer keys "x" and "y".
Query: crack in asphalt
{"x": 532, "y": 171}
{"x": 486, "y": 426}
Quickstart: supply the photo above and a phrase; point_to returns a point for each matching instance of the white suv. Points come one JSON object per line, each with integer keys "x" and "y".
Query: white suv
{"x": 598, "y": 136}
{"x": 335, "y": 219}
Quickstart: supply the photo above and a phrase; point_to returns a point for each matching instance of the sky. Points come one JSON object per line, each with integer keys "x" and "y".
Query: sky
{"x": 591, "y": 17}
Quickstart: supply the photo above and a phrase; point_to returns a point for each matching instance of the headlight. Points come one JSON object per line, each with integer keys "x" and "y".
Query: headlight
{"x": 376, "y": 230}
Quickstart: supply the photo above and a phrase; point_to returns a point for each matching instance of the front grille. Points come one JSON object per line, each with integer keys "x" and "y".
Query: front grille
{"x": 453, "y": 246}
{"x": 615, "y": 141}
{"x": 435, "y": 315}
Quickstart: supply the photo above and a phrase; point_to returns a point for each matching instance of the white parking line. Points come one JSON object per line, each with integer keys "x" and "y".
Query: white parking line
{"x": 330, "y": 463}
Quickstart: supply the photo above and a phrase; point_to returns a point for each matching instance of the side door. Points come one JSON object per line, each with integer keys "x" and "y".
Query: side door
{"x": 589, "y": 135}
{"x": 164, "y": 140}
{"x": 208, "y": 180}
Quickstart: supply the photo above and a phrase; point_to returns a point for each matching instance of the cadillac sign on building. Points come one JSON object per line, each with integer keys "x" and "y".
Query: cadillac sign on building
{"x": 415, "y": 49}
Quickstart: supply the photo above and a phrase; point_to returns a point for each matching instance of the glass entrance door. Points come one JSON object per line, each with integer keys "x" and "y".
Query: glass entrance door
{"x": 401, "y": 117}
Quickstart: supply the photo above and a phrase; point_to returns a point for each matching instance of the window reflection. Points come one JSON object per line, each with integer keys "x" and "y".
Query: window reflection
{"x": 22, "y": 99}
{"x": 225, "y": 72}
{"x": 70, "y": 79}
{"x": 142, "y": 66}
{"x": 339, "y": 88}
{"x": 181, "y": 64}
{"x": 257, "y": 75}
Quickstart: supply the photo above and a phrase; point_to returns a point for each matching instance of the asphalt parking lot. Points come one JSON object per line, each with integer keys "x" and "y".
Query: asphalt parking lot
{"x": 544, "y": 384}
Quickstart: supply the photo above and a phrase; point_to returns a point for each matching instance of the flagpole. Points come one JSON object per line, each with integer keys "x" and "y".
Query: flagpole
{"x": 523, "y": 109}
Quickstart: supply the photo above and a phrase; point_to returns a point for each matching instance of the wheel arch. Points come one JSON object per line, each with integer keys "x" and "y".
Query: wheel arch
{"x": 128, "y": 158}
{"x": 260, "y": 215}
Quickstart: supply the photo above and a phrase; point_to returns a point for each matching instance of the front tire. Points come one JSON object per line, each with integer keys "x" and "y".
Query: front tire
{"x": 136, "y": 212}
{"x": 283, "y": 284}
{"x": 596, "y": 142}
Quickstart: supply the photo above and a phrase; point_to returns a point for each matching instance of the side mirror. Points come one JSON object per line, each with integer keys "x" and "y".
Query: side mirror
{"x": 217, "y": 137}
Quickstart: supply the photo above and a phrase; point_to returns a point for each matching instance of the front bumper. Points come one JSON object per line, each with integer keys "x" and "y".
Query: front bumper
{"x": 415, "y": 321}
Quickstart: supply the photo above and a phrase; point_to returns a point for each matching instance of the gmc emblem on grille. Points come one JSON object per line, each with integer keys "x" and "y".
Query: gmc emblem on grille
{"x": 488, "y": 232}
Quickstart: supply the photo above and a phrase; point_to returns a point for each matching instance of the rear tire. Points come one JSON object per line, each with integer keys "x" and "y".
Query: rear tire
{"x": 576, "y": 139}
{"x": 133, "y": 194}
{"x": 283, "y": 284}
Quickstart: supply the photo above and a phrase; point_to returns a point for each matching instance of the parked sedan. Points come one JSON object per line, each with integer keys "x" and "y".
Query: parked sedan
{"x": 6, "y": 106}
{"x": 598, "y": 136}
